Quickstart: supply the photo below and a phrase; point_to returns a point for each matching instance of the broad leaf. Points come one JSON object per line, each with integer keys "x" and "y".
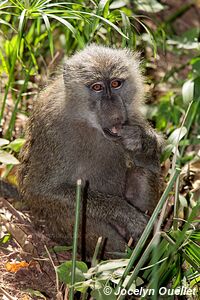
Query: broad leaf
{"x": 7, "y": 158}
{"x": 177, "y": 135}
{"x": 16, "y": 145}
{"x": 65, "y": 269}
{"x": 3, "y": 142}
{"x": 188, "y": 91}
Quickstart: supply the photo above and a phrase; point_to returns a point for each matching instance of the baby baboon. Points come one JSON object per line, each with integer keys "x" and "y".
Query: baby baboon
{"x": 87, "y": 124}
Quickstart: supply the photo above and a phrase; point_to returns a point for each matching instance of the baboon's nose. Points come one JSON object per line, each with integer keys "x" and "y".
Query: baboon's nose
{"x": 117, "y": 120}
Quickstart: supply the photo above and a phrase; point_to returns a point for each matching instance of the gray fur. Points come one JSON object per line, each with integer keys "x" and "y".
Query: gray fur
{"x": 65, "y": 141}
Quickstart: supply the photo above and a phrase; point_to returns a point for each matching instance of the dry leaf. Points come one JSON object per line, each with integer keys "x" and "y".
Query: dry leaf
{"x": 13, "y": 267}
{"x": 26, "y": 297}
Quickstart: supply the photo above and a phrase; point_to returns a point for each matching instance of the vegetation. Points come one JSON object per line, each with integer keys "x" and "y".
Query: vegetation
{"x": 33, "y": 36}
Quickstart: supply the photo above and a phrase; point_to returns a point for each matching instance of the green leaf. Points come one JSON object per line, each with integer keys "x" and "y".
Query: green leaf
{"x": 107, "y": 22}
{"x": 21, "y": 21}
{"x": 64, "y": 22}
{"x": 196, "y": 65}
{"x": 118, "y": 4}
{"x": 5, "y": 238}
{"x": 84, "y": 285}
{"x": 167, "y": 152}
{"x": 2, "y": 3}
{"x": 36, "y": 293}
{"x": 3, "y": 142}
{"x": 8, "y": 24}
{"x": 105, "y": 293}
{"x": 197, "y": 88}
{"x": 30, "y": 36}
{"x": 65, "y": 269}
{"x": 177, "y": 135}
{"x": 188, "y": 40}
{"x": 4, "y": 64}
{"x": 194, "y": 282}
{"x": 16, "y": 145}
{"x": 7, "y": 158}
{"x": 183, "y": 201}
{"x": 48, "y": 27}
{"x": 60, "y": 249}
{"x": 193, "y": 251}
{"x": 103, "y": 7}
{"x": 127, "y": 28}
{"x": 111, "y": 265}
{"x": 151, "y": 6}
{"x": 18, "y": 4}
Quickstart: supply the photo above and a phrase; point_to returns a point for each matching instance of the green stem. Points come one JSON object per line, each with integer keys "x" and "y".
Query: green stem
{"x": 176, "y": 204}
{"x": 141, "y": 262}
{"x": 75, "y": 238}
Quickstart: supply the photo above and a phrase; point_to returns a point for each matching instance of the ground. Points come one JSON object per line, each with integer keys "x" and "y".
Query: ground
{"x": 26, "y": 271}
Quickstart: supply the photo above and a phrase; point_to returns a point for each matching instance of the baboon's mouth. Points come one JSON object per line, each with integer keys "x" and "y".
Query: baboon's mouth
{"x": 113, "y": 132}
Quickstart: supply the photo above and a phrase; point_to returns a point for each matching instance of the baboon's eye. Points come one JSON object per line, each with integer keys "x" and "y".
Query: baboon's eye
{"x": 97, "y": 87}
{"x": 115, "y": 84}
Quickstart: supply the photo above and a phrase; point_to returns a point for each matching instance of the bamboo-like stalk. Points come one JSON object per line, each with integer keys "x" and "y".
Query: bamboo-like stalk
{"x": 155, "y": 252}
{"x": 75, "y": 238}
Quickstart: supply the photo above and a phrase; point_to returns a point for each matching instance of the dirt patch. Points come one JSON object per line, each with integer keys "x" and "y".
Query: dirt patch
{"x": 26, "y": 271}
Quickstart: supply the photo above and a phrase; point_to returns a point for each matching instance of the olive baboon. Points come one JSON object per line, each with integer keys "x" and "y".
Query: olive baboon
{"x": 87, "y": 124}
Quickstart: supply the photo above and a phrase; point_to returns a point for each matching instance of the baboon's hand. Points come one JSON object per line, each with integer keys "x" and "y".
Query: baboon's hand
{"x": 141, "y": 140}
{"x": 144, "y": 144}
{"x": 129, "y": 222}
{"x": 132, "y": 138}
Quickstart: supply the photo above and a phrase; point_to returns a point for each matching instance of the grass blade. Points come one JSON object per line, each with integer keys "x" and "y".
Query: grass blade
{"x": 48, "y": 27}
{"x": 64, "y": 22}
{"x": 96, "y": 252}
{"x": 105, "y": 21}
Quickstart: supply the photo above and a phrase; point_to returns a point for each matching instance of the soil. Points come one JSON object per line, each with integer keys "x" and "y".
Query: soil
{"x": 26, "y": 271}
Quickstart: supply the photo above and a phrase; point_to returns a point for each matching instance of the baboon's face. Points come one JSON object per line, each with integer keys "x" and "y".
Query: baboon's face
{"x": 106, "y": 101}
{"x": 104, "y": 84}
